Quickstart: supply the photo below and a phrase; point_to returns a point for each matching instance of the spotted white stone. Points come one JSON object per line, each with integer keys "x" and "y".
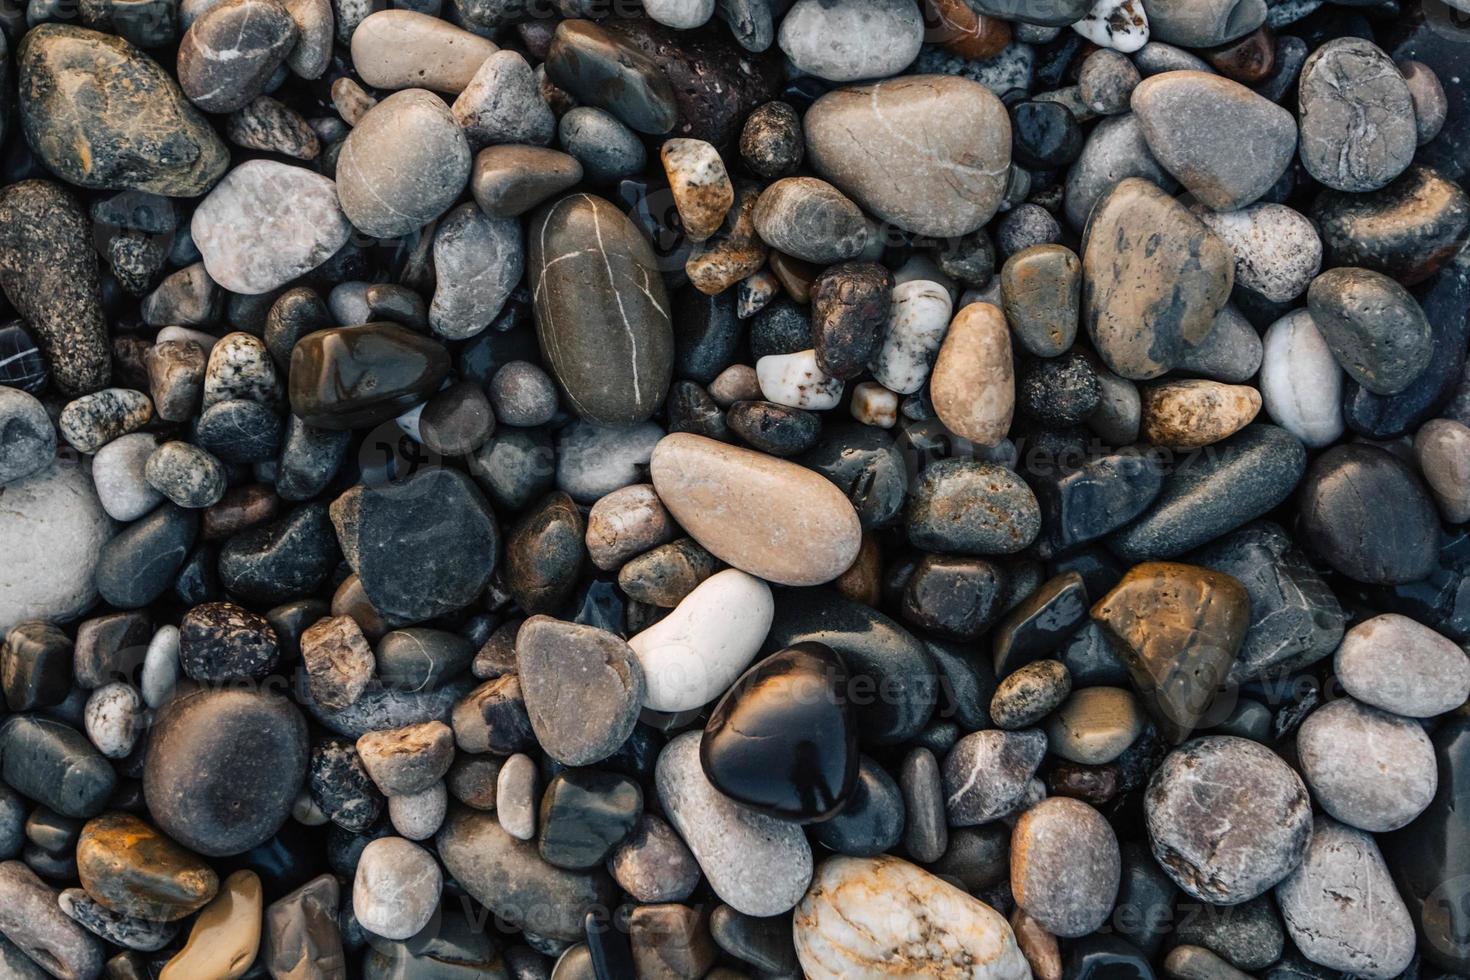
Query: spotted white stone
{"x": 695, "y": 652}
{"x": 917, "y": 319}
{"x": 873, "y": 404}
{"x": 1118, "y": 24}
{"x": 113, "y": 718}
{"x": 1301, "y": 382}
{"x": 795, "y": 380}
{"x": 884, "y": 917}
{"x": 1277, "y": 250}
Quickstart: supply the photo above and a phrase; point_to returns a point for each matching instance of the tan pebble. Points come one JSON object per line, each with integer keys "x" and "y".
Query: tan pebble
{"x": 1037, "y": 945}
{"x": 1196, "y": 413}
{"x": 737, "y": 383}
{"x": 1094, "y": 725}
{"x": 973, "y": 386}
{"x": 873, "y": 404}
{"x": 701, "y": 187}
{"x": 624, "y": 523}
{"x": 732, "y": 253}
{"x": 226, "y": 936}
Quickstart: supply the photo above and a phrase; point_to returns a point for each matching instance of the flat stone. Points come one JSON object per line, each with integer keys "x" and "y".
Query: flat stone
{"x": 1341, "y": 524}
{"x": 1065, "y": 866}
{"x": 223, "y": 768}
{"x": 1357, "y": 116}
{"x": 141, "y": 562}
{"x": 1199, "y": 25}
{"x": 132, "y": 869}
{"x": 228, "y": 55}
{"x": 407, "y": 760}
{"x": 788, "y": 503}
{"x": 48, "y": 272}
{"x": 362, "y": 375}
{"x": 653, "y": 864}
{"x": 600, "y": 303}
{"x": 54, "y": 526}
{"x": 1370, "y": 769}
{"x": 1094, "y": 726}
{"x": 1341, "y": 908}
{"x": 220, "y": 641}
{"x": 987, "y": 774}
{"x": 584, "y": 814}
{"x": 809, "y": 219}
{"x": 887, "y": 36}
{"x": 139, "y": 134}
{"x": 511, "y": 879}
{"x": 1401, "y": 666}
{"x": 54, "y": 764}
{"x": 583, "y": 689}
{"x": 1227, "y": 819}
{"x": 1178, "y": 629}
{"x": 267, "y": 223}
{"x": 862, "y": 915}
{"x": 405, "y": 49}
{"x": 755, "y": 863}
{"x": 508, "y": 181}
{"x": 1373, "y": 326}
{"x": 127, "y": 931}
{"x": 404, "y": 163}
{"x": 478, "y": 261}
{"x": 861, "y": 138}
{"x": 1144, "y": 307}
{"x": 1301, "y": 383}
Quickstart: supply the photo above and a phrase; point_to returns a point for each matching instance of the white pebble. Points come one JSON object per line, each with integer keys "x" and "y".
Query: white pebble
{"x": 515, "y": 796}
{"x": 305, "y": 811}
{"x": 1301, "y": 382}
{"x": 418, "y": 815}
{"x": 695, "y": 652}
{"x": 1118, "y": 24}
{"x": 113, "y": 718}
{"x": 1277, "y": 250}
{"x": 681, "y": 15}
{"x": 796, "y": 381}
{"x": 873, "y": 404}
{"x": 117, "y": 472}
{"x": 396, "y": 889}
{"x": 161, "y": 666}
{"x": 917, "y": 320}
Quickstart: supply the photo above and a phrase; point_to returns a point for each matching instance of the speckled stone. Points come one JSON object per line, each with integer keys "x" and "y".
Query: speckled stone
{"x": 1065, "y": 866}
{"x": 987, "y": 774}
{"x": 1227, "y": 819}
{"x": 1373, "y": 326}
{"x": 1369, "y": 769}
{"x": 969, "y": 507}
{"x": 228, "y": 55}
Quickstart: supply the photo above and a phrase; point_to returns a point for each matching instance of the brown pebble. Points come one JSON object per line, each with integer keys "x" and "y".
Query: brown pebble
{"x": 240, "y": 509}
{"x": 1248, "y": 60}
{"x": 1038, "y": 946}
{"x": 1195, "y": 413}
{"x": 973, "y": 385}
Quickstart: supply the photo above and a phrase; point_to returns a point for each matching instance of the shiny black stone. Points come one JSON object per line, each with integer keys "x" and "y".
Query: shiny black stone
{"x": 1430, "y": 858}
{"x": 1081, "y": 503}
{"x": 776, "y": 429}
{"x": 783, "y": 740}
{"x": 893, "y": 679}
{"x": 691, "y": 409}
{"x": 954, "y": 595}
{"x": 1091, "y": 659}
{"x": 1044, "y": 135}
{"x": 1106, "y": 957}
{"x": 585, "y": 813}
{"x": 966, "y": 685}
{"x": 871, "y": 821}
{"x": 1040, "y": 624}
{"x": 867, "y": 465}
{"x": 35, "y": 666}
{"x": 21, "y": 363}
{"x": 240, "y": 431}
{"x": 612, "y": 958}
{"x": 601, "y": 603}
{"x": 706, "y": 334}
{"x": 198, "y": 579}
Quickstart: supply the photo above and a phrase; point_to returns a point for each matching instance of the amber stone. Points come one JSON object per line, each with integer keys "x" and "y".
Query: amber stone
{"x": 783, "y": 739}
{"x": 794, "y": 275}
{"x": 1248, "y": 60}
{"x": 958, "y": 29}
{"x": 356, "y": 377}
{"x": 131, "y": 868}
{"x": 1178, "y": 629}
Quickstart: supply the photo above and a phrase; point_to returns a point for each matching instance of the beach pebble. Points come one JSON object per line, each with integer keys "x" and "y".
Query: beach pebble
{"x": 404, "y": 49}
{"x": 502, "y": 104}
{"x": 1277, "y": 251}
{"x": 881, "y": 38}
{"x": 1369, "y": 769}
{"x": 396, "y": 888}
{"x": 1065, "y": 866}
{"x": 1301, "y": 383}
{"x": 1358, "y": 129}
{"x": 1401, "y": 666}
{"x": 973, "y": 386}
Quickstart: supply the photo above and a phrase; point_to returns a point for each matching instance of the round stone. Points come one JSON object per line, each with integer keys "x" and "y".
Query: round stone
{"x": 1065, "y": 866}
{"x": 1358, "y": 130}
{"x": 583, "y": 688}
{"x": 885, "y": 37}
{"x": 228, "y": 55}
{"x": 1227, "y": 818}
{"x": 1300, "y": 382}
{"x": 396, "y": 890}
{"x": 1402, "y": 666}
{"x": 27, "y": 437}
{"x": 1373, "y": 326}
{"x": 1369, "y": 769}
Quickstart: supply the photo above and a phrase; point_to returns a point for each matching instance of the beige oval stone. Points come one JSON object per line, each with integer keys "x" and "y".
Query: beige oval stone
{"x": 1194, "y": 413}
{"x": 396, "y": 49}
{"x": 765, "y": 516}
{"x": 1094, "y": 726}
{"x": 226, "y": 936}
{"x": 973, "y": 386}
{"x": 884, "y": 917}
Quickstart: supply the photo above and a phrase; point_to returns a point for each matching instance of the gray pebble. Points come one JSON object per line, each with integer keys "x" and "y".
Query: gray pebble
{"x": 503, "y": 104}
{"x": 186, "y": 474}
{"x": 396, "y": 890}
{"x": 1358, "y": 128}
{"x": 128, "y": 931}
{"x": 607, "y": 150}
{"x": 477, "y": 262}
{"x": 1402, "y": 666}
{"x": 1431, "y": 107}
{"x": 1065, "y": 866}
{"x": 516, "y": 796}
{"x": 1373, "y": 326}
{"x": 523, "y": 394}
{"x": 987, "y": 774}
{"x": 27, "y": 437}
{"x": 810, "y": 219}
{"x": 1368, "y": 768}
{"x": 31, "y": 919}
{"x": 593, "y": 460}
{"x": 653, "y": 864}
{"x": 925, "y": 831}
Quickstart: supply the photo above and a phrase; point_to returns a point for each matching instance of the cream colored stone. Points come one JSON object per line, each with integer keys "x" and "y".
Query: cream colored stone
{"x": 396, "y": 49}
{"x": 1094, "y": 725}
{"x": 1194, "y": 413}
{"x": 226, "y": 935}
{"x": 884, "y": 917}
{"x": 974, "y": 386}
{"x": 774, "y": 519}
{"x": 701, "y": 187}
{"x": 873, "y": 404}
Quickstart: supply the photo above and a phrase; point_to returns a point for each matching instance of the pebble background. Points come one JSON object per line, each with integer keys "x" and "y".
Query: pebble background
{"x": 734, "y": 488}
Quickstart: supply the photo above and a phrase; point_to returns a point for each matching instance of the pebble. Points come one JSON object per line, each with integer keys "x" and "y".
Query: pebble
{"x": 1042, "y": 290}
{"x": 918, "y": 317}
{"x": 228, "y": 55}
{"x": 90, "y": 422}
{"x": 584, "y": 814}
{"x": 601, "y": 69}
{"x": 396, "y": 890}
{"x": 1065, "y": 866}
{"x": 796, "y": 380}
{"x": 223, "y": 768}
{"x": 136, "y": 566}
{"x": 684, "y": 14}
{"x": 1341, "y": 908}
{"x": 626, "y": 523}
{"x": 127, "y": 931}
{"x": 1341, "y": 525}
{"x": 406, "y": 49}
{"x": 1029, "y": 694}
{"x": 809, "y": 219}
{"x": 35, "y": 671}
{"x": 1121, "y": 25}
{"x": 1204, "y": 24}
{"x": 408, "y": 760}
{"x": 618, "y": 374}
{"x": 54, "y": 764}
{"x": 1358, "y": 130}
{"x": 117, "y": 472}
{"x": 502, "y": 104}
{"x": 1227, "y": 819}
{"x": 771, "y": 141}
{"x": 27, "y": 437}
{"x": 517, "y": 788}
{"x": 185, "y": 474}
{"x": 1143, "y": 307}
{"x": 403, "y": 164}
{"x": 969, "y": 507}
{"x": 583, "y": 688}
{"x": 302, "y": 933}
{"x": 1191, "y": 414}
{"x": 478, "y": 260}
{"x": 34, "y": 922}
{"x": 1440, "y": 450}
{"x": 755, "y": 863}
{"x": 59, "y": 585}
{"x": 225, "y": 938}
{"x": 1094, "y": 726}
{"x": 114, "y": 718}
{"x": 594, "y": 460}
{"x": 1403, "y": 667}
{"x": 1373, "y": 326}
{"x": 700, "y": 185}
{"x": 606, "y": 150}
{"x": 131, "y": 869}
{"x": 507, "y": 181}
{"x": 653, "y": 865}
{"x": 21, "y": 363}
{"x": 1407, "y": 230}
{"x": 1301, "y": 383}
{"x": 882, "y": 38}
{"x": 987, "y": 774}
{"x": 1431, "y": 106}
{"x": 175, "y": 377}
{"x": 1369, "y": 769}
{"x": 862, "y": 915}
{"x": 958, "y": 183}
{"x": 1277, "y": 250}
{"x": 972, "y": 385}
{"x": 784, "y": 501}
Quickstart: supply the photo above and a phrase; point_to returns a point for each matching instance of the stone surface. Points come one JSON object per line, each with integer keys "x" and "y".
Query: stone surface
{"x": 583, "y": 688}
{"x": 302, "y": 937}
{"x": 954, "y": 187}
{"x": 1407, "y": 230}
{"x": 478, "y": 261}
{"x": 225, "y": 938}
{"x": 31, "y": 919}
{"x": 863, "y": 916}
{"x": 1277, "y": 249}
{"x": 986, "y": 774}
{"x": 968, "y": 507}
{"x": 589, "y": 266}
{"x": 1374, "y": 328}
{"x": 129, "y": 867}
{"x": 1195, "y": 413}
{"x": 1403, "y": 667}
{"x": 358, "y": 376}
{"x": 888, "y": 36}
{"x": 1357, "y": 116}
{"x": 396, "y": 890}
{"x": 1227, "y": 819}
{"x": 604, "y": 70}
{"x": 1369, "y": 769}
{"x": 54, "y": 764}
{"x": 1065, "y": 866}
{"x": 1301, "y": 383}
{"x": 720, "y": 494}
{"x": 973, "y": 383}
{"x": 228, "y": 55}
{"x": 57, "y": 583}
{"x": 138, "y": 134}
{"x": 267, "y": 223}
